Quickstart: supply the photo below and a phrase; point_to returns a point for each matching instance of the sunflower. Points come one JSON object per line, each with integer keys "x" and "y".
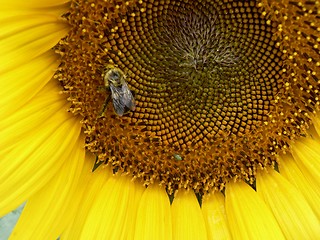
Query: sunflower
{"x": 161, "y": 119}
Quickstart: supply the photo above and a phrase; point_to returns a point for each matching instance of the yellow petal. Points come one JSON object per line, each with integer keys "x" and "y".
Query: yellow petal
{"x": 306, "y": 153}
{"x": 26, "y": 44}
{"x": 187, "y": 218}
{"x": 309, "y": 189}
{"x": 213, "y": 209}
{"x": 22, "y": 84}
{"x": 316, "y": 123}
{"x": 88, "y": 189}
{"x": 48, "y": 207}
{"x": 12, "y": 23}
{"x": 33, "y": 3}
{"x": 293, "y": 213}
{"x": 132, "y": 218}
{"x": 111, "y": 209}
{"x": 23, "y": 122}
{"x": 154, "y": 215}
{"x": 35, "y": 158}
{"x": 35, "y": 6}
{"x": 248, "y": 215}
{"x": 21, "y": 8}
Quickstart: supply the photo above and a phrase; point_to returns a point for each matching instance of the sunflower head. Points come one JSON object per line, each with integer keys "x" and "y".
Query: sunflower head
{"x": 219, "y": 87}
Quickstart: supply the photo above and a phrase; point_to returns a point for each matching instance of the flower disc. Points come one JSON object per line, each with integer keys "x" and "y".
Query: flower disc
{"x": 219, "y": 89}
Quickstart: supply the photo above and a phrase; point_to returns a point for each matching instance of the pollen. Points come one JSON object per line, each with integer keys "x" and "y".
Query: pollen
{"x": 220, "y": 87}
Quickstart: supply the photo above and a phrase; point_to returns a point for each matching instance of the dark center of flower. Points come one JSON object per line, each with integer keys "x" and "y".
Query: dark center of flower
{"x": 218, "y": 90}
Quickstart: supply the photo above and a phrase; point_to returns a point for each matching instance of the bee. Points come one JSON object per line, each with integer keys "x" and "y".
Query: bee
{"x": 122, "y": 98}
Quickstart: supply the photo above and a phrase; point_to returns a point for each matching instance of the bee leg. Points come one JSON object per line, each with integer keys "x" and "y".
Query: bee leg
{"x": 101, "y": 88}
{"x": 104, "y": 106}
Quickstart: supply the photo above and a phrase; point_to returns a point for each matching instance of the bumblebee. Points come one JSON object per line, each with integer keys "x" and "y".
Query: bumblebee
{"x": 122, "y": 98}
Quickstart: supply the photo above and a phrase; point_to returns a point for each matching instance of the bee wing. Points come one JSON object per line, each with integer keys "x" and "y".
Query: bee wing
{"x": 117, "y": 95}
{"x": 127, "y": 98}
